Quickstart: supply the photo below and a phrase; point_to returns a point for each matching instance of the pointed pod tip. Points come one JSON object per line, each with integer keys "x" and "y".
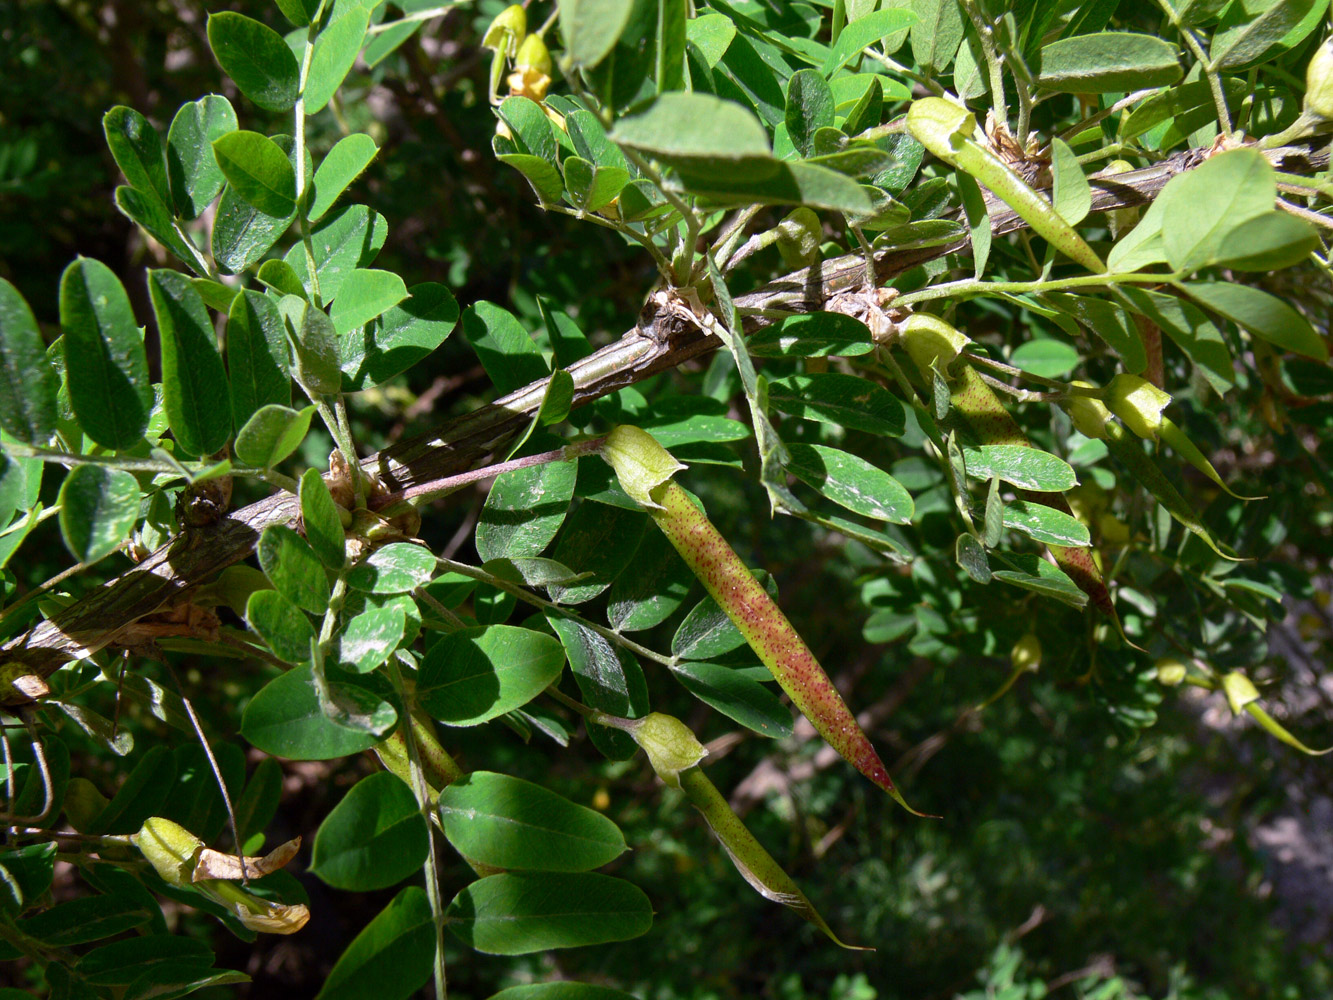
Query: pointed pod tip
{"x": 897, "y": 796}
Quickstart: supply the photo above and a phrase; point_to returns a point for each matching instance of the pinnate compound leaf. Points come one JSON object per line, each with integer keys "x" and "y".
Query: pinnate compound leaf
{"x": 394, "y": 569}
{"x": 868, "y": 29}
{"x": 287, "y": 720}
{"x": 844, "y": 400}
{"x": 1026, "y": 468}
{"x": 375, "y": 837}
{"x": 652, "y": 593}
{"x": 365, "y": 294}
{"x": 591, "y": 28}
{"x": 242, "y": 234}
{"x": 474, "y": 675}
{"x": 1031, "y": 572}
{"x": 281, "y": 624}
{"x": 609, "y": 679}
{"x": 1203, "y": 206}
{"x": 147, "y": 212}
{"x": 369, "y": 639}
{"x": 293, "y": 568}
{"x": 816, "y": 335}
{"x": 137, "y": 150}
{"x": 271, "y": 434}
{"x": 28, "y": 383}
{"x": 340, "y": 167}
{"x": 98, "y": 507}
{"x": 258, "y": 170}
{"x": 192, "y": 169}
{"x": 509, "y": 823}
{"x": 256, "y": 355}
{"x": 851, "y": 481}
{"x": 1108, "y": 61}
{"x": 1250, "y": 27}
{"x": 523, "y": 912}
{"x": 736, "y": 696}
{"x": 335, "y": 52}
{"x": 106, "y": 366}
{"x": 524, "y": 510}
{"x": 346, "y": 238}
{"x": 600, "y": 540}
{"x": 194, "y": 382}
{"x": 256, "y": 57}
{"x": 391, "y": 958}
{"x": 1263, "y": 315}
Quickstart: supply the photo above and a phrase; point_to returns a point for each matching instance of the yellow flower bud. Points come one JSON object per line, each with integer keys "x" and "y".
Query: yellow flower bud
{"x": 533, "y": 54}
{"x": 1171, "y": 670}
{"x": 507, "y": 30}
{"x": 1138, "y": 403}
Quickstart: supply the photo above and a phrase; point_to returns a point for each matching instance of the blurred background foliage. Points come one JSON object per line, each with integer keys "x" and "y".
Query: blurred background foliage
{"x": 1079, "y": 853}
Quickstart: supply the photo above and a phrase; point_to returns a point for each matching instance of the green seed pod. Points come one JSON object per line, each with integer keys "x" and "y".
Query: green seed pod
{"x": 170, "y": 848}
{"x": 1319, "y": 82}
{"x": 1026, "y": 654}
{"x": 1088, "y": 414}
{"x": 507, "y": 30}
{"x": 1171, "y": 671}
{"x": 798, "y": 237}
{"x": 1240, "y": 691}
{"x": 670, "y": 745}
{"x": 1138, "y": 403}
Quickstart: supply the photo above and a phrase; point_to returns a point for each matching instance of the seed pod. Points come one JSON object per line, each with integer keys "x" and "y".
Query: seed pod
{"x": 1026, "y": 654}
{"x": 946, "y": 130}
{"x": 644, "y": 469}
{"x": 1088, "y": 413}
{"x": 504, "y": 34}
{"x": 1171, "y": 671}
{"x": 670, "y": 744}
{"x": 1138, "y": 403}
{"x": 1319, "y": 81}
{"x": 170, "y": 848}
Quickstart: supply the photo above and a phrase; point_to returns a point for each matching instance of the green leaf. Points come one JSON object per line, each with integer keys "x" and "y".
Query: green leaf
{"x": 98, "y": 507}
{"x": 851, "y": 481}
{"x": 153, "y": 217}
{"x": 299, "y": 12}
{"x": 1250, "y": 27}
{"x": 524, "y": 510}
{"x": 374, "y": 838}
{"x": 370, "y": 638}
{"x": 1046, "y": 357}
{"x": 286, "y": 719}
{"x": 321, "y": 520}
{"x": 122, "y": 962}
{"x": 599, "y": 540}
{"x": 79, "y": 921}
{"x": 970, "y": 555}
{"x": 809, "y": 108}
{"x": 506, "y": 822}
{"x": 937, "y": 34}
{"x": 1265, "y": 316}
{"x": 1072, "y": 195}
{"x": 293, "y": 568}
{"x": 609, "y": 678}
{"x": 845, "y": 400}
{"x": 194, "y": 382}
{"x": 335, "y": 52}
{"x": 557, "y": 399}
{"x": 781, "y": 184}
{"x": 1186, "y": 325}
{"x": 281, "y": 624}
{"x": 474, "y": 675}
{"x": 1031, "y": 572}
{"x": 365, "y": 294}
{"x": 316, "y": 346}
{"x": 256, "y": 57}
{"x": 256, "y": 356}
{"x": 347, "y": 238}
{"x": 1046, "y": 524}
{"x": 399, "y": 338}
{"x": 1202, "y": 206}
{"x": 391, "y": 958}
{"x": 736, "y": 696}
{"x": 591, "y": 28}
{"x": 1026, "y": 468}
{"x": 565, "y": 989}
{"x": 1268, "y": 242}
{"x": 817, "y": 335}
{"x": 524, "y": 912}
{"x": 544, "y": 178}
{"x": 1107, "y": 320}
{"x": 271, "y": 434}
{"x": 141, "y": 794}
{"x": 505, "y": 349}
{"x": 592, "y": 186}
{"x": 106, "y": 365}
{"x": 343, "y": 165}
{"x": 258, "y": 170}
{"x": 698, "y": 131}
{"x": 711, "y": 33}
{"x": 869, "y": 29}
{"x": 1108, "y": 61}
{"x": 705, "y": 633}
{"x": 393, "y": 569}
{"x": 532, "y": 131}
{"x": 193, "y": 171}
{"x": 137, "y": 150}
{"x": 652, "y": 593}
{"x": 28, "y": 383}
{"x": 281, "y": 277}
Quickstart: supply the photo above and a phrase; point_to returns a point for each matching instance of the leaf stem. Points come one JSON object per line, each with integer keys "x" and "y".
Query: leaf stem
{"x": 969, "y": 287}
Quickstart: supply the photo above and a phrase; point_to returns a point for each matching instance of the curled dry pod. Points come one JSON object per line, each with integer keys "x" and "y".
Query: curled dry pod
{"x": 946, "y": 130}
{"x": 644, "y": 469}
